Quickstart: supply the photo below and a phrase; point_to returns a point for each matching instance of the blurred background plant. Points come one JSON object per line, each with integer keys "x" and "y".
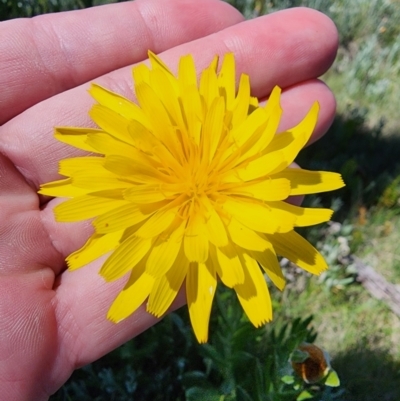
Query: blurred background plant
{"x": 361, "y": 334}
{"x": 29, "y": 8}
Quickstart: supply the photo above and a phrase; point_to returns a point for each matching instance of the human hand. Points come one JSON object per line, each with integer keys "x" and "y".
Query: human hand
{"x": 52, "y": 320}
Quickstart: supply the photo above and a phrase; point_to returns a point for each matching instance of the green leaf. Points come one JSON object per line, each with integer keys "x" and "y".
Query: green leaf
{"x": 242, "y": 394}
{"x": 288, "y": 379}
{"x": 299, "y": 356}
{"x": 195, "y": 379}
{"x": 332, "y": 379}
{"x": 202, "y": 394}
{"x": 304, "y": 395}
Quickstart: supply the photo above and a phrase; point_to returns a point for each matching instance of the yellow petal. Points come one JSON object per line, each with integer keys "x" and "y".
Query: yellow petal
{"x": 157, "y": 223}
{"x": 245, "y": 131}
{"x": 157, "y": 63}
{"x": 267, "y": 189}
{"x": 201, "y": 284}
{"x": 269, "y": 262}
{"x": 141, "y": 74}
{"x": 214, "y": 122}
{"x": 253, "y": 294}
{"x": 227, "y": 79}
{"x": 85, "y": 207}
{"x": 216, "y": 231}
{"x": 137, "y": 167}
{"x": 165, "y": 250}
{"x": 125, "y": 257}
{"x": 263, "y": 135}
{"x": 169, "y": 162}
{"x": 117, "y": 103}
{"x": 254, "y": 103}
{"x": 259, "y": 217}
{"x": 246, "y": 238}
{"x": 240, "y": 107}
{"x": 146, "y": 194}
{"x": 76, "y": 137}
{"x": 274, "y": 112}
{"x": 147, "y": 99}
{"x": 122, "y": 217}
{"x": 120, "y": 165}
{"x": 142, "y": 138}
{"x": 135, "y": 292}
{"x": 165, "y": 87}
{"x": 192, "y": 113}
{"x": 68, "y": 167}
{"x": 62, "y": 188}
{"x": 166, "y": 287}
{"x": 104, "y": 143}
{"x": 293, "y": 140}
{"x": 195, "y": 242}
{"x": 111, "y": 122}
{"x": 227, "y": 264}
{"x": 187, "y": 73}
{"x": 304, "y": 216}
{"x": 208, "y": 87}
{"x": 246, "y": 138}
{"x": 162, "y": 126}
{"x": 98, "y": 180}
{"x": 261, "y": 166}
{"x": 298, "y": 250}
{"x": 96, "y": 246}
{"x": 305, "y": 182}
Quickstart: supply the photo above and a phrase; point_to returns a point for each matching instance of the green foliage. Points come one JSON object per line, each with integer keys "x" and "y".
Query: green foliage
{"x": 247, "y": 364}
{"x": 239, "y": 363}
{"x": 354, "y": 18}
{"x": 147, "y": 368}
{"x": 334, "y": 244}
{"x": 366, "y": 73}
{"x": 29, "y": 8}
{"x": 369, "y": 374}
{"x": 391, "y": 194}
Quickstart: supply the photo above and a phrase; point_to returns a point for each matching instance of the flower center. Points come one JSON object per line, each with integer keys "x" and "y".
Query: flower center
{"x": 197, "y": 186}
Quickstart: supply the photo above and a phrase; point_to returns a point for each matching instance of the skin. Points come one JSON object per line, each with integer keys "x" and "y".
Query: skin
{"x": 52, "y": 321}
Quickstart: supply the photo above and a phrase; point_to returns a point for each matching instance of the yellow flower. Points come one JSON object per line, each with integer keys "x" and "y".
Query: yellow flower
{"x": 190, "y": 184}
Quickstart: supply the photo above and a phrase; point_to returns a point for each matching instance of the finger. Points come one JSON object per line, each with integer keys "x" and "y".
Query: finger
{"x": 28, "y": 335}
{"x": 297, "y": 100}
{"x": 24, "y": 242}
{"x": 60, "y": 233}
{"x": 283, "y": 48}
{"x": 43, "y": 56}
{"x": 263, "y": 49}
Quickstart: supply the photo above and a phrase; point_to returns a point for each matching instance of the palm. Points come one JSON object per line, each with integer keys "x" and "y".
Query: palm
{"x": 52, "y": 320}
